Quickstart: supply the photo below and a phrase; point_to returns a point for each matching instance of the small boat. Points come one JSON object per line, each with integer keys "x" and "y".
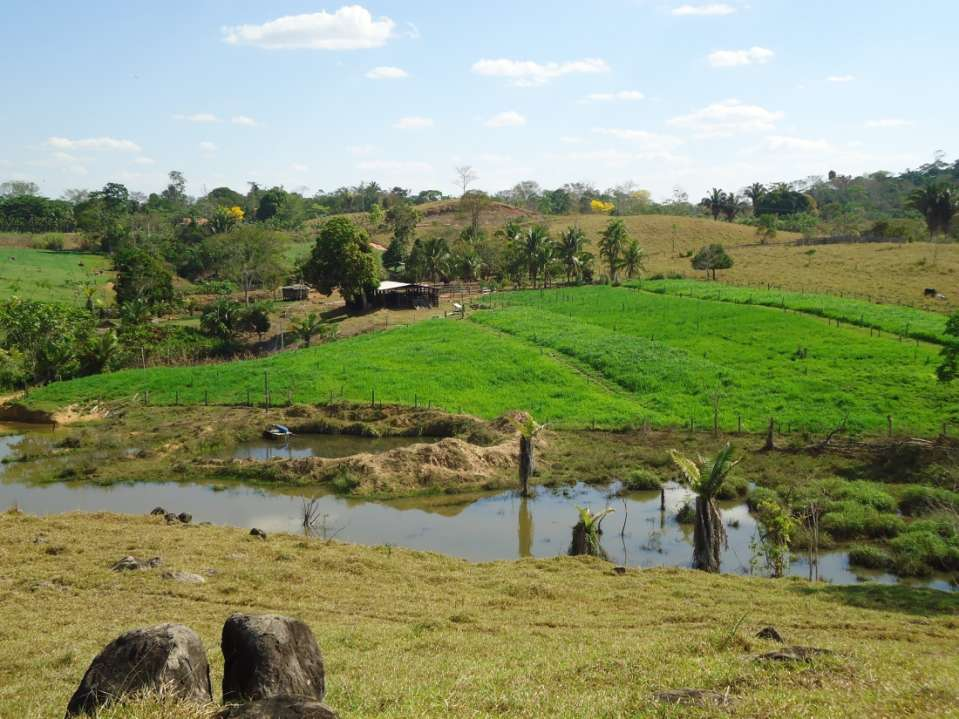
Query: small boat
{"x": 277, "y": 431}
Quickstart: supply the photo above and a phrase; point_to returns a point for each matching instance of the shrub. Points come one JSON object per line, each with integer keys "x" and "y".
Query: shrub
{"x": 920, "y": 551}
{"x": 686, "y": 514}
{"x": 344, "y": 481}
{"x": 918, "y": 500}
{"x": 643, "y": 479}
{"x": 846, "y": 519}
{"x": 869, "y": 556}
{"x": 758, "y": 495}
{"x": 733, "y": 488}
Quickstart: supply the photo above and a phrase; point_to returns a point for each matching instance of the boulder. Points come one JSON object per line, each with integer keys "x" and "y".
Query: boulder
{"x": 258, "y": 533}
{"x": 130, "y": 563}
{"x": 170, "y": 518}
{"x": 185, "y": 517}
{"x": 269, "y": 655}
{"x": 770, "y": 633}
{"x": 184, "y": 577}
{"x": 168, "y": 659}
{"x": 158, "y": 511}
{"x": 282, "y": 707}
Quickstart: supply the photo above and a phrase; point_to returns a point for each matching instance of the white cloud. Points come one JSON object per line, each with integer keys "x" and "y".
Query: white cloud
{"x": 207, "y": 147}
{"x": 413, "y": 123}
{"x": 800, "y": 145}
{"x": 729, "y": 117}
{"x": 888, "y": 122}
{"x": 506, "y": 119}
{"x": 734, "y": 58}
{"x": 395, "y": 165}
{"x": 704, "y": 10}
{"x": 144, "y": 160}
{"x": 646, "y": 140}
{"x": 243, "y": 120}
{"x": 201, "y": 118}
{"x": 385, "y": 72}
{"x": 621, "y": 96}
{"x": 94, "y": 143}
{"x": 840, "y": 78}
{"x": 298, "y": 167}
{"x": 350, "y": 28}
{"x": 526, "y": 72}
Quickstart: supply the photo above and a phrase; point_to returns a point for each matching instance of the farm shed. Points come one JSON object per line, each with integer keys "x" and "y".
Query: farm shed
{"x": 292, "y": 293}
{"x": 398, "y": 295}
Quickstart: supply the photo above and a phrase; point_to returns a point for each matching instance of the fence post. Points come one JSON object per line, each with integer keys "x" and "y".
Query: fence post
{"x": 206, "y": 397}
{"x": 266, "y": 389}
{"x": 372, "y": 397}
{"x": 889, "y": 424}
{"x": 176, "y": 402}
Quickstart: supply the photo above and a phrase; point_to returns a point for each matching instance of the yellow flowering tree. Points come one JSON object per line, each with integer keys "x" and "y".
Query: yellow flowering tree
{"x": 600, "y": 207}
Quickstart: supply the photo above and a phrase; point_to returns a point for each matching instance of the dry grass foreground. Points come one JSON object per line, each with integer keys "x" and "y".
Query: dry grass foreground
{"x": 409, "y": 634}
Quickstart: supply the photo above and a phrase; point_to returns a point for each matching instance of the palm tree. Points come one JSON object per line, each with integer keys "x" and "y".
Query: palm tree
{"x": 731, "y": 206}
{"x": 528, "y": 429}
{"x": 435, "y": 253}
{"x": 714, "y": 203}
{"x": 534, "y": 243}
{"x": 586, "y": 533}
{"x": 611, "y": 245}
{"x": 755, "y": 192}
{"x": 102, "y": 350}
{"x": 632, "y": 261}
{"x": 570, "y": 245}
{"x": 546, "y": 261}
{"x": 938, "y": 203}
{"x": 705, "y": 478}
{"x": 310, "y": 326}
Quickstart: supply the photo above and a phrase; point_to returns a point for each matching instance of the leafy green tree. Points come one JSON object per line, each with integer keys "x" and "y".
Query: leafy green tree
{"x": 782, "y": 200}
{"x": 251, "y": 256}
{"x": 395, "y": 257}
{"x": 948, "y": 369}
{"x": 402, "y": 218}
{"x": 342, "y": 259}
{"x": 221, "y": 319}
{"x": 174, "y": 196}
{"x": 270, "y": 203}
{"x": 766, "y": 228}
{"x": 755, "y": 192}
{"x": 938, "y": 203}
{"x": 48, "y": 338}
{"x": 711, "y": 258}
{"x": 375, "y": 216}
{"x": 142, "y": 276}
{"x": 705, "y": 478}
{"x": 611, "y": 245}
{"x": 632, "y": 261}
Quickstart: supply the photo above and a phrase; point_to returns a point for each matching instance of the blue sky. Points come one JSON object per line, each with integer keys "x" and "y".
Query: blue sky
{"x": 317, "y": 95}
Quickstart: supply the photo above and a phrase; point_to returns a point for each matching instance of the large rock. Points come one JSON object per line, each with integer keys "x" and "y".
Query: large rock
{"x": 269, "y": 656}
{"x": 167, "y": 659}
{"x": 279, "y": 708}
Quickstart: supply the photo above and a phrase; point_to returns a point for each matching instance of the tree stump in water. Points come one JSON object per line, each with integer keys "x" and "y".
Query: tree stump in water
{"x": 527, "y": 464}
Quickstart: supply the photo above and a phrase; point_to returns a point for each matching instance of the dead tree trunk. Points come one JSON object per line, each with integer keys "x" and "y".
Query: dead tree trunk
{"x": 527, "y": 464}
{"x": 770, "y": 432}
{"x": 709, "y": 535}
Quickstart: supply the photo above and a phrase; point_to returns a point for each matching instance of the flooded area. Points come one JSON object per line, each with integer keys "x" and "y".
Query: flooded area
{"x": 320, "y": 445}
{"x": 481, "y": 528}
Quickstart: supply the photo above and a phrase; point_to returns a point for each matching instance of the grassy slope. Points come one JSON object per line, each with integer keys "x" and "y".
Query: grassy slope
{"x": 895, "y": 319}
{"x": 677, "y": 352}
{"x": 51, "y": 276}
{"x": 410, "y": 634}
{"x": 652, "y": 356}
{"x": 452, "y": 364}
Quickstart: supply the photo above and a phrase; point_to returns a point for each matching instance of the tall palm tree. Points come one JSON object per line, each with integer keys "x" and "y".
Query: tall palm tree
{"x": 632, "y": 261}
{"x": 714, "y": 202}
{"x": 705, "y": 477}
{"x": 534, "y": 243}
{"x": 938, "y": 203}
{"x": 310, "y": 326}
{"x": 611, "y": 245}
{"x": 570, "y": 244}
{"x": 755, "y": 193}
{"x": 435, "y": 255}
{"x": 731, "y": 206}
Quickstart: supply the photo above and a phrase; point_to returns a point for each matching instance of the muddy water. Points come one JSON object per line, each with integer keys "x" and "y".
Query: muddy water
{"x": 320, "y": 445}
{"x": 487, "y": 527}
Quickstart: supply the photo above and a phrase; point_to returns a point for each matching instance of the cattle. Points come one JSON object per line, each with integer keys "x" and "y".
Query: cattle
{"x": 929, "y": 292}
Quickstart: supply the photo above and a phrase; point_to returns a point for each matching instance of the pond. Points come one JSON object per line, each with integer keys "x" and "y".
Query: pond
{"x": 320, "y": 445}
{"x": 480, "y": 527}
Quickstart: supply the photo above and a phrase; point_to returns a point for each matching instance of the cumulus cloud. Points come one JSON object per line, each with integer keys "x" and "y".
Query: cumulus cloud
{"x": 621, "y": 96}
{"x": 94, "y": 143}
{"x": 506, "y": 119}
{"x": 888, "y": 122}
{"x": 243, "y": 120}
{"x": 735, "y": 58}
{"x": 413, "y": 123}
{"x": 709, "y": 9}
{"x": 201, "y": 118}
{"x": 729, "y": 117}
{"x": 840, "y": 78}
{"x": 527, "y": 73}
{"x": 385, "y": 72}
{"x": 352, "y": 27}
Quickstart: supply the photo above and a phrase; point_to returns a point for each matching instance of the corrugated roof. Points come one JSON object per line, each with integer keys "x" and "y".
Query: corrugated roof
{"x": 386, "y": 285}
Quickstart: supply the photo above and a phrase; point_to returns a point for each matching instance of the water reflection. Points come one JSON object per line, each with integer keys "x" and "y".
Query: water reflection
{"x": 320, "y": 445}
{"x": 479, "y": 527}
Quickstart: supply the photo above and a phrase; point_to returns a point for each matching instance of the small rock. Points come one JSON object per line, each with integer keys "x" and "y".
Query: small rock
{"x": 793, "y": 654}
{"x": 41, "y": 539}
{"x": 168, "y": 658}
{"x": 268, "y": 655}
{"x": 185, "y": 517}
{"x": 694, "y": 697}
{"x": 184, "y": 577}
{"x": 171, "y": 518}
{"x": 157, "y": 510}
{"x": 258, "y": 533}
{"x": 770, "y": 633}
{"x": 283, "y": 707}
{"x": 151, "y": 563}
{"x": 619, "y": 570}
{"x": 127, "y": 564}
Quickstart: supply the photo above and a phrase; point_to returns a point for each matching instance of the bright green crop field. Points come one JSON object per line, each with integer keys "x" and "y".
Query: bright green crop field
{"x": 613, "y": 357}
{"x": 49, "y": 276}
{"x": 894, "y": 319}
